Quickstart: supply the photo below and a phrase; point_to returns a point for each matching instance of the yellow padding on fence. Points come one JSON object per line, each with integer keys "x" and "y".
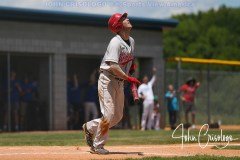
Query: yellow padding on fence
{"x": 205, "y": 61}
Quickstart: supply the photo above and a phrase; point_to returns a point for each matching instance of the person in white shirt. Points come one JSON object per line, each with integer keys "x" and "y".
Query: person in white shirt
{"x": 146, "y": 93}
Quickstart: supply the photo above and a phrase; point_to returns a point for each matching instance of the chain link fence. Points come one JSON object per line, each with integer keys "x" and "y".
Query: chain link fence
{"x": 224, "y": 94}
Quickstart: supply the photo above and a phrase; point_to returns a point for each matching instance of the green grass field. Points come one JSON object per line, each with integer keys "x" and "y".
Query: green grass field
{"x": 117, "y": 137}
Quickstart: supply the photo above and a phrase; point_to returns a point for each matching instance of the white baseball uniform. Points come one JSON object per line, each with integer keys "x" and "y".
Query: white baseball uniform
{"x": 110, "y": 88}
{"x": 148, "y": 103}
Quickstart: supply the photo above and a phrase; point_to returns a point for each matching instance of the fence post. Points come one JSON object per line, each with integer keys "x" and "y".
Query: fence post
{"x": 208, "y": 94}
{"x": 9, "y": 91}
{"x": 177, "y": 89}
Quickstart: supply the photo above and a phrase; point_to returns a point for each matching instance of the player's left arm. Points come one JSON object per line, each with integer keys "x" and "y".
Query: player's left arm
{"x": 134, "y": 65}
{"x": 132, "y": 68}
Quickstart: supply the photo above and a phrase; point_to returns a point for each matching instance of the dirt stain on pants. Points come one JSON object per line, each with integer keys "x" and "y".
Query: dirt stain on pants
{"x": 104, "y": 125}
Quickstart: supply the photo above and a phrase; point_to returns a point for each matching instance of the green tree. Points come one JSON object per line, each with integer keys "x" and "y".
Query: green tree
{"x": 211, "y": 34}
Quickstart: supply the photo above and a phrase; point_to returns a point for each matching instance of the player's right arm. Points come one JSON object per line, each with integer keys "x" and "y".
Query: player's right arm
{"x": 112, "y": 59}
{"x": 115, "y": 68}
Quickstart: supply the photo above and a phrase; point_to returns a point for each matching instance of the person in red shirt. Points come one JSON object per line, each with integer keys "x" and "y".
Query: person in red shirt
{"x": 188, "y": 91}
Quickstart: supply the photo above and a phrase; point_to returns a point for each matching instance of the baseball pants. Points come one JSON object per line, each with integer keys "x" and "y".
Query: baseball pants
{"x": 147, "y": 114}
{"x": 111, "y": 98}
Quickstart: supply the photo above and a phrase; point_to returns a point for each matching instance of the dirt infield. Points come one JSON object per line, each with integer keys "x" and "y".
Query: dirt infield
{"x": 116, "y": 152}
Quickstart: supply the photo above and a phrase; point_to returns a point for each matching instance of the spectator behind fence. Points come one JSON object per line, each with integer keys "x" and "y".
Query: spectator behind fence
{"x": 172, "y": 104}
{"x": 35, "y": 88}
{"x": 15, "y": 90}
{"x": 146, "y": 93}
{"x": 128, "y": 102}
{"x": 91, "y": 97}
{"x": 70, "y": 111}
{"x": 26, "y": 102}
{"x": 75, "y": 101}
{"x": 37, "y": 111}
{"x": 156, "y": 114}
{"x": 188, "y": 91}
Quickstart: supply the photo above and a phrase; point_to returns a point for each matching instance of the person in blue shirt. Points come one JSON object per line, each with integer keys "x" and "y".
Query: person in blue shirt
{"x": 91, "y": 97}
{"x": 35, "y": 86}
{"x": 27, "y": 90}
{"x": 74, "y": 98}
{"x": 70, "y": 111}
{"x": 15, "y": 90}
{"x": 26, "y": 100}
{"x": 172, "y": 104}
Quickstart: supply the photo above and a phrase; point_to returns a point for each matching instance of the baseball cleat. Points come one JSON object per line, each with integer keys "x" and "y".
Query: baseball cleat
{"x": 99, "y": 151}
{"x": 88, "y": 136}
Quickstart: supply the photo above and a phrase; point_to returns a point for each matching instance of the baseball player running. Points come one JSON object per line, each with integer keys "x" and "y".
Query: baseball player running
{"x": 115, "y": 66}
{"x": 146, "y": 93}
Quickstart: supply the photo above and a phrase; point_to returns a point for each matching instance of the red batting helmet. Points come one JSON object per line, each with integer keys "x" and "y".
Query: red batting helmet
{"x": 113, "y": 23}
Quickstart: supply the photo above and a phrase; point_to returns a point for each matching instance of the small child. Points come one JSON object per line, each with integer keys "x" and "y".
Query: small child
{"x": 156, "y": 114}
